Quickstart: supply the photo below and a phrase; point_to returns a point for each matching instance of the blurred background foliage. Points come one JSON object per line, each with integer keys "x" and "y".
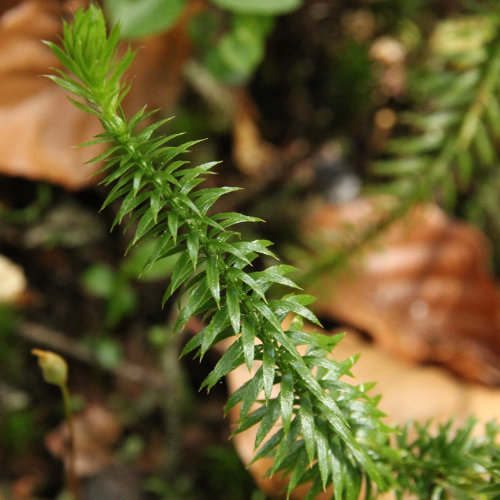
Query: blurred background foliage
{"x": 304, "y": 100}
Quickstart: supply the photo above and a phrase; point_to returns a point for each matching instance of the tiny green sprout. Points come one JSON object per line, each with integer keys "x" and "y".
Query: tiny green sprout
{"x": 54, "y": 368}
{"x": 55, "y": 371}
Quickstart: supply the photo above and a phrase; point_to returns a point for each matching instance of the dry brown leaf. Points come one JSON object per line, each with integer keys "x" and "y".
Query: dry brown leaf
{"x": 409, "y": 392}
{"x": 96, "y": 432}
{"x": 39, "y": 127}
{"x": 423, "y": 290}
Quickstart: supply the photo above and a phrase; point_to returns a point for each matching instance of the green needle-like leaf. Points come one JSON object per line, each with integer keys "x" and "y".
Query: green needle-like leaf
{"x": 308, "y": 426}
{"x": 248, "y": 332}
{"x": 286, "y": 400}
{"x": 233, "y": 307}
{"x": 213, "y": 277}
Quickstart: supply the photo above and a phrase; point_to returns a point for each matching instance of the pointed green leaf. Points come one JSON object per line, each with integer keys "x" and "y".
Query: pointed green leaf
{"x": 286, "y": 400}
{"x": 145, "y": 224}
{"x": 266, "y": 313}
{"x": 205, "y": 198}
{"x": 274, "y": 274}
{"x": 273, "y": 412}
{"x": 237, "y": 252}
{"x": 182, "y": 270}
{"x": 163, "y": 243}
{"x": 106, "y": 154}
{"x": 193, "y": 245}
{"x": 230, "y": 360}
{"x": 251, "y": 419}
{"x": 228, "y": 219}
{"x": 198, "y": 297}
{"x": 237, "y": 396}
{"x": 299, "y": 469}
{"x": 125, "y": 166}
{"x": 240, "y": 275}
{"x": 322, "y": 449}
{"x": 484, "y": 145}
{"x": 219, "y": 322}
{"x": 419, "y": 145}
{"x": 213, "y": 277}
{"x": 282, "y": 307}
{"x": 129, "y": 204}
{"x": 337, "y": 473}
{"x": 119, "y": 189}
{"x": 233, "y": 307}
{"x": 465, "y": 163}
{"x": 156, "y": 204}
{"x": 268, "y": 367}
{"x": 492, "y": 110}
{"x": 173, "y": 224}
{"x": 285, "y": 447}
{"x": 258, "y": 246}
{"x": 251, "y": 393}
{"x": 399, "y": 167}
{"x": 333, "y": 413}
{"x": 192, "y": 344}
{"x": 308, "y": 426}
{"x": 248, "y": 332}
{"x": 269, "y": 445}
{"x": 352, "y": 480}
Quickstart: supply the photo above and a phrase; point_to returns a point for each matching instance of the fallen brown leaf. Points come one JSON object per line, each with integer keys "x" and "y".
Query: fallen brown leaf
{"x": 422, "y": 290}
{"x": 39, "y": 127}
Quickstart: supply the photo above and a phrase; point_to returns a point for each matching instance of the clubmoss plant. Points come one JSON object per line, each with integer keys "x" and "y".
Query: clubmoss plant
{"x": 331, "y": 432}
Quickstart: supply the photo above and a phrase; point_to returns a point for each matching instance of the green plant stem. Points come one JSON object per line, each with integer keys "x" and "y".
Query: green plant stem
{"x": 72, "y": 478}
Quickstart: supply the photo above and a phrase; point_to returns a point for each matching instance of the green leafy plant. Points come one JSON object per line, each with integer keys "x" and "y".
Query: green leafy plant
{"x": 331, "y": 432}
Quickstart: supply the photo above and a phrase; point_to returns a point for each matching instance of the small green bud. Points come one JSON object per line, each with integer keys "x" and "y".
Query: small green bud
{"x": 54, "y": 368}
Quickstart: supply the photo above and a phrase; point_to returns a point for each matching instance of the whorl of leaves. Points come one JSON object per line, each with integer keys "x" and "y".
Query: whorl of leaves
{"x": 329, "y": 432}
